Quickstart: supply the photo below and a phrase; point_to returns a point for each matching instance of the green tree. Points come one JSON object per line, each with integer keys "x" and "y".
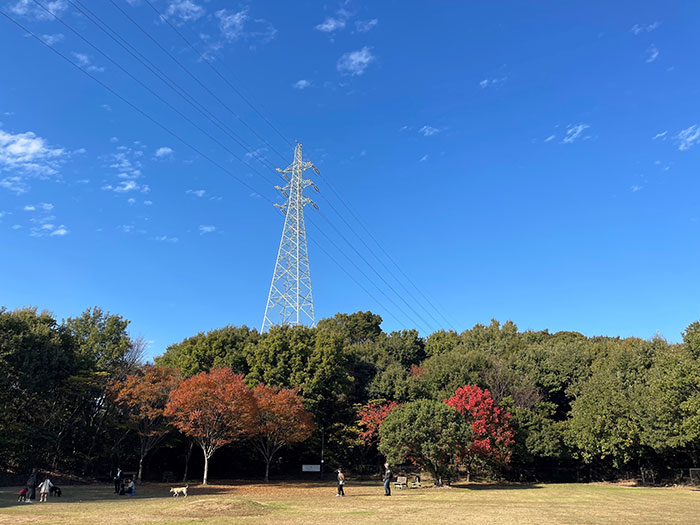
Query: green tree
{"x": 427, "y": 433}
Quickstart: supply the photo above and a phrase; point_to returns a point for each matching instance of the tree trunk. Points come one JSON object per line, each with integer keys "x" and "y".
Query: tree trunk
{"x": 206, "y": 468}
{"x": 267, "y": 470}
{"x": 187, "y": 461}
{"x": 138, "y": 476}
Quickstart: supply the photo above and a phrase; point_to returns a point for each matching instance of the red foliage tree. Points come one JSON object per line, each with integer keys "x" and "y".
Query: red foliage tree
{"x": 492, "y": 435}
{"x": 213, "y": 409}
{"x": 370, "y": 417}
{"x": 144, "y": 396}
{"x": 279, "y": 419}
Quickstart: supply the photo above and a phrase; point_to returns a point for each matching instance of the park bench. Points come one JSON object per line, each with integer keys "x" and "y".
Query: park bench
{"x": 401, "y": 482}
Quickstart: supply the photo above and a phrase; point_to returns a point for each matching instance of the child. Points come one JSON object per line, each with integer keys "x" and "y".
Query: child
{"x": 23, "y": 494}
{"x": 44, "y": 490}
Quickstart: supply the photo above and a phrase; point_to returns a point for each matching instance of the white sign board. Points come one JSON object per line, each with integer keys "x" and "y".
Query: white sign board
{"x": 311, "y": 468}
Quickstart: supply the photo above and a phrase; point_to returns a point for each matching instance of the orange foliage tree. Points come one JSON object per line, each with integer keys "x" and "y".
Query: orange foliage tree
{"x": 144, "y": 396}
{"x": 279, "y": 420}
{"x": 212, "y": 409}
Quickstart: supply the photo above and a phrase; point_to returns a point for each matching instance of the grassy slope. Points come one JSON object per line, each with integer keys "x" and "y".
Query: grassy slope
{"x": 364, "y": 503}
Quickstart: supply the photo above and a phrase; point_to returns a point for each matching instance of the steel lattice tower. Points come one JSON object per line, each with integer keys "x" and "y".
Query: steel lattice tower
{"x": 290, "y": 300}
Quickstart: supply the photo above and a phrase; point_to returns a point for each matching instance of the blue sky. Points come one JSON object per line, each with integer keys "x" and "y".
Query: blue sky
{"x": 537, "y": 163}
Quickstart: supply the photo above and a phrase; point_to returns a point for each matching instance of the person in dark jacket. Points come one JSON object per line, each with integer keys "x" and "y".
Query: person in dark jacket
{"x": 32, "y": 484}
{"x": 341, "y": 483}
{"x": 118, "y": 481}
{"x": 387, "y": 480}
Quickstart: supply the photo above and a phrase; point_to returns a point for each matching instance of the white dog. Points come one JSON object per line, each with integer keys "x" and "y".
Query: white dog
{"x": 179, "y": 490}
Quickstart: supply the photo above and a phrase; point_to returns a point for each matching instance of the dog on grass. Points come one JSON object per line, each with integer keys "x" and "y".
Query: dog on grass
{"x": 179, "y": 490}
{"x": 55, "y": 491}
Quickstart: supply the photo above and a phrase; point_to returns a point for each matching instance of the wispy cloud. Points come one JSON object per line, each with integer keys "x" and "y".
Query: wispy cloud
{"x": 492, "y": 82}
{"x": 42, "y": 206}
{"x": 429, "y": 131}
{"x": 240, "y": 25}
{"x": 334, "y": 23}
{"x": 164, "y": 151}
{"x": 355, "y": 62}
{"x": 85, "y": 62}
{"x": 688, "y": 137}
{"x": 184, "y": 10}
{"x": 550, "y": 138}
{"x": 573, "y": 132}
{"x": 362, "y": 26}
{"x": 30, "y": 9}
{"x": 301, "y": 84}
{"x": 661, "y": 135}
{"x": 648, "y": 28}
{"x": 196, "y": 193}
{"x": 165, "y": 238}
{"x": 423, "y": 158}
{"x": 26, "y": 155}
{"x": 652, "y": 53}
{"x": 635, "y": 188}
{"x": 204, "y": 229}
{"x": 53, "y": 39}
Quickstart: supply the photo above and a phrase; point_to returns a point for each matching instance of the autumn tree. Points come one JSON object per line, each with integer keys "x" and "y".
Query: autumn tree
{"x": 370, "y": 417}
{"x": 145, "y": 396}
{"x": 213, "y": 409}
{"x": 492, "y": 436}
{"x": 279, "y": 420}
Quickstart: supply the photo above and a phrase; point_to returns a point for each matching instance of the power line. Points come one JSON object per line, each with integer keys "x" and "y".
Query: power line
{"x": 134, "y": 107}
{"x": 208, "y": 62}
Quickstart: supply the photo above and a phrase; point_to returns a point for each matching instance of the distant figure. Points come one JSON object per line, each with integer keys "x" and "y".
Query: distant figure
{"x": 130, "y": 487}
{"x": 23, "y": 494}
{"x": 31, "y": 484}
{"x": 341, "y": 482}
{"x": 117, "y": 481}
{"x": 44, "y": 490}
{"x": 387, "y": 480}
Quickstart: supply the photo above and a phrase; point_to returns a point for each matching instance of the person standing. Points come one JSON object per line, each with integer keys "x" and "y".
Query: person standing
{"x": 118, "y": 481}
{"x": 31, "y": 484}
{"x": 341, "y": 483}
{"x": 44, "y": 490}
{"x": 387, "y": 480}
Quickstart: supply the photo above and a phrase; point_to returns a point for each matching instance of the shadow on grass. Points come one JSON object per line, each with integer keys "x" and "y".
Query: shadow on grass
{"x": 497, "y": 486}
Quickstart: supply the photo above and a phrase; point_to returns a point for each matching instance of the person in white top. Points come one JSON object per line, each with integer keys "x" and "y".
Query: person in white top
{"x": 44, "y": 489}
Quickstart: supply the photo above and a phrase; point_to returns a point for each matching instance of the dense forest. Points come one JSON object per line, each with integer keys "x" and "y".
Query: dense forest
{"x": 577, "y": 407}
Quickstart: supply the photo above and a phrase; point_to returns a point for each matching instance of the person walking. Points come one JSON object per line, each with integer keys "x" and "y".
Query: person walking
{"x": 341, "y": 484}
{"x": 118, "y": 481}
{"x": 387, "y": 480}
{"x": 44, "y": 490}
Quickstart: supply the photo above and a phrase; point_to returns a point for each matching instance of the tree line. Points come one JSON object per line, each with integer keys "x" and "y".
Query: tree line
{"x": 75, "y": 396}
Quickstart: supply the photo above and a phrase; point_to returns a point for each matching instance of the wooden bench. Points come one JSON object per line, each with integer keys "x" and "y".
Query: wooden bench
{"x": 401, "y": 482}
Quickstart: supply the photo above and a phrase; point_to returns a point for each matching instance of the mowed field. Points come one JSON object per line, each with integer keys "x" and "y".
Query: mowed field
{"x": 281, "y": 503}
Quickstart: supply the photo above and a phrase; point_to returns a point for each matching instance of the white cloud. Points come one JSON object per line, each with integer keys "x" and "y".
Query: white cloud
{"x": 85, "y": 62}
{"x": 29, "y": 207}
{"x": 362, "y": 26}
{"x": 164, "y": 152}
{"x": 636, "y": 28}
{"x": 573, "y": 132}
{"x": 355, "y": 62}
{"x": 165, "y": 238}
{"x": 423, "y": 158}
{"x": 45, "y": 206}
{"x": 688, "y": 137}
{"x": 550, "y": 138}
{"x": 148, "y": 203}
{"x": 131, "y": 201}
{"x": 29, "y": 8}
{"x": 60, "y": 231}
{"x": 635, "y": 188}
{"x": 492, "y": 82}
{"x": 197, "y": 193}
{"x": 206, "y": 229}
{"x": 240, "y": 26}
{"x": 331, "y": 24}
{"x": 429, "y": 131}
{"x": 53, "y": 39}
{"x": 652, "y": 53}
{"x": 661, "y": 135}
{"x": 185, "y": 10}
{"x": 28, "y": 156}
{"x": 301, "y": 84}
{"x": 16, "y": 226}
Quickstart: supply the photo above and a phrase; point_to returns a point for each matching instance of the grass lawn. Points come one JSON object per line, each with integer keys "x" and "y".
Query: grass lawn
{"x": 281, "y": 503}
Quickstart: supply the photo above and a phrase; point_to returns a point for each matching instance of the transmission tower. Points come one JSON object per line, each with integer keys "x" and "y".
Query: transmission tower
{"x": 290, "y": 301}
